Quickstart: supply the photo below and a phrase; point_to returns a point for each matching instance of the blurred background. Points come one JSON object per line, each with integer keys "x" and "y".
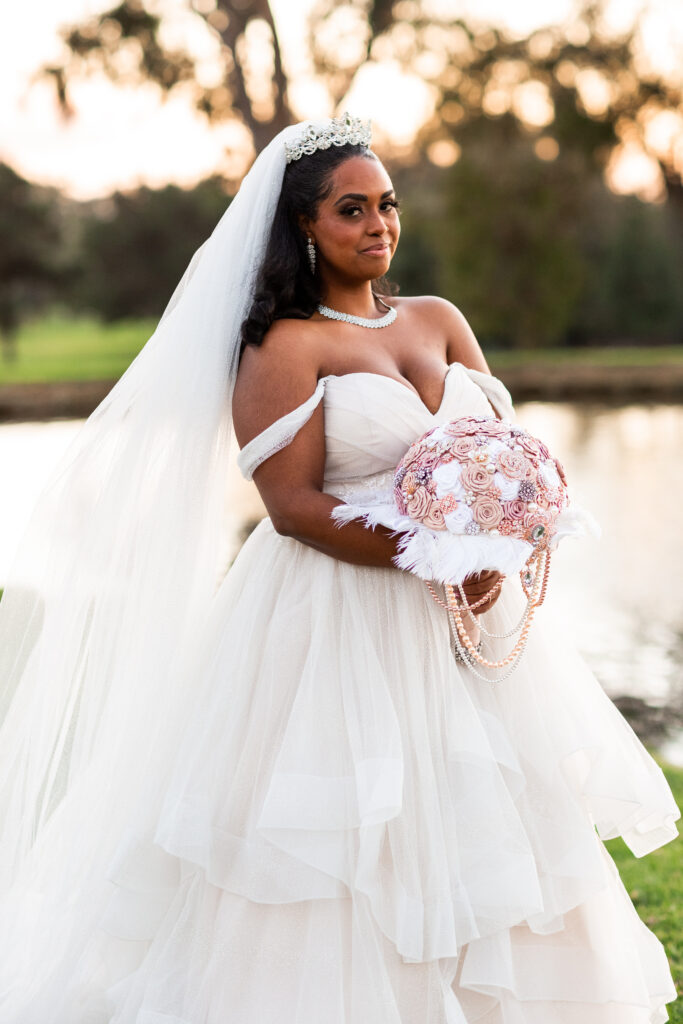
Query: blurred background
{"x": 538, "y": 152}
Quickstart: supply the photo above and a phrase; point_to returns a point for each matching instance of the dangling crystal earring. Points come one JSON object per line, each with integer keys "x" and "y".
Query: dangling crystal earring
{"x": 311, "y": 254}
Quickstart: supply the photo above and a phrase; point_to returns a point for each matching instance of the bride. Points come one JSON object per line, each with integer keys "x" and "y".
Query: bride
{"x": 275, "y": 794}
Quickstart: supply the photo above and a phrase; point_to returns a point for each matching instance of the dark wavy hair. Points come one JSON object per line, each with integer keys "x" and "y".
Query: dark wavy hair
{"x": 285, "y": 286}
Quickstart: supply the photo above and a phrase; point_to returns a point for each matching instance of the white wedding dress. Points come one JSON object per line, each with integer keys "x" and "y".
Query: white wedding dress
{"x": 353, "y": 828}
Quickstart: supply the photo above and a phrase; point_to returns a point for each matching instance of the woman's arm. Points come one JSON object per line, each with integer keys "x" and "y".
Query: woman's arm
{"x": 272, "y": 381}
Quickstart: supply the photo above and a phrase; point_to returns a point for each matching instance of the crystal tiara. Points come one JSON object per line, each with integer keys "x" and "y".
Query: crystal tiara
{"x": 339, "y": 131}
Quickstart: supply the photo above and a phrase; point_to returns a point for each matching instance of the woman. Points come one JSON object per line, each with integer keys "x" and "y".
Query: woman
{"x": 282, "y": 798}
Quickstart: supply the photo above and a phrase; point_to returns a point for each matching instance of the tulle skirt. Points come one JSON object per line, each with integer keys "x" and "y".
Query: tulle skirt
{"x": 352, "y": 828}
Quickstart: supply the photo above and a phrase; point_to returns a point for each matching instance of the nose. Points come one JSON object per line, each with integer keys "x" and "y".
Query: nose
{"x": 378, "y": 223}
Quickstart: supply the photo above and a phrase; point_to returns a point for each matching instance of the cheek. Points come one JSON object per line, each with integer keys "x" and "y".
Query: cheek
{"x": 339, "y": 232}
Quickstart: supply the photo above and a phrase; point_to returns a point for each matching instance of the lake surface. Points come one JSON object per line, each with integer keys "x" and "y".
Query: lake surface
{"x": 620, "y": 596}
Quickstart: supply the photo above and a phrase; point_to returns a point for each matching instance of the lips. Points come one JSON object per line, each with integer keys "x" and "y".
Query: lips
{"x": 376, "y": 248}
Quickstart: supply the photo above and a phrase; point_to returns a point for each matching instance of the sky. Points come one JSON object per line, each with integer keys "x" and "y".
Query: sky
{"x": 120, "y": 138}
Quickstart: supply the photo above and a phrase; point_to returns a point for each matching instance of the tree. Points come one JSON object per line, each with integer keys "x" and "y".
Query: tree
{"x": 475, "y": 71}
{"x": 29, "y": 254}
{"x": 504, "y": 227}
{"x": 136, "y": 245}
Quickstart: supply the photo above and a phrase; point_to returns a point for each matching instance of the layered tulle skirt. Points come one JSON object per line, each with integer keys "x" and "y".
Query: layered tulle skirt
{"x": 352, "y": 828}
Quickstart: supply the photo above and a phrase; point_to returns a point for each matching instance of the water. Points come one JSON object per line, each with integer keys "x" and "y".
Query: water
{"x": 620, "y": 596}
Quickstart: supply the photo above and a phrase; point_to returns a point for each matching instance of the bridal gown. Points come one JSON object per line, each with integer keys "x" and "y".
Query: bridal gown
{"x": 354, "y": 828}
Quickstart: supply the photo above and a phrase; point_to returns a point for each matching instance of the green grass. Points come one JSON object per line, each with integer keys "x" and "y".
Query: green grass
{"x": 62, "y": 347}
{"x": 655, "y": 885}
{"x": 638, "y": 355}
{"x": 68, "y": 348}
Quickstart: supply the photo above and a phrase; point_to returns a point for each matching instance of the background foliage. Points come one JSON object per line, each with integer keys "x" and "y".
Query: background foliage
{"x": 506, "y": 213}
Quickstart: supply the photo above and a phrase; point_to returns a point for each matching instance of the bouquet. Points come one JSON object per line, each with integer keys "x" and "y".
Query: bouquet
{"x": 476, "y": 494}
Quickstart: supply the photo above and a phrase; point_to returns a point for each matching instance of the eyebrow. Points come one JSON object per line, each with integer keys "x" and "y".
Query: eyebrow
{"x": 359, "y": 195}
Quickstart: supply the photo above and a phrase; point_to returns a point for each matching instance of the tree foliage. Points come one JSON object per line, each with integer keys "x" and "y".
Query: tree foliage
{"x": 30, "y": 232}
{"x": 593, "y": 85}
{"x": 136, "y": 245}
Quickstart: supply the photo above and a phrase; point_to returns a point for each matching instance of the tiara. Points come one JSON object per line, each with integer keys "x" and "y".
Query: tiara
{"x": 339, "y": 131}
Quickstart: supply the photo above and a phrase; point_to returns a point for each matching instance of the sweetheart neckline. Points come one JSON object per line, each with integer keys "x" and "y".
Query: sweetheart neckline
{"x": 385, "y": 376}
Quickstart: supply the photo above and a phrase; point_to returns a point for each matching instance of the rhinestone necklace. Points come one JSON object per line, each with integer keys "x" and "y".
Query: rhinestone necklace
{"x": 361, "y": 321}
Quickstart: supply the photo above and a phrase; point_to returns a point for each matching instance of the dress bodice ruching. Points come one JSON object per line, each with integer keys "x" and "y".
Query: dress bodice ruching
{"x": 370, "y": 419}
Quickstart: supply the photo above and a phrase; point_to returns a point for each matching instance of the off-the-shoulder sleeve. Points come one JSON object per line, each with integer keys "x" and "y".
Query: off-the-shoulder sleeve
{"x": 496, "y": 392}
{"x": 278, "y": 434}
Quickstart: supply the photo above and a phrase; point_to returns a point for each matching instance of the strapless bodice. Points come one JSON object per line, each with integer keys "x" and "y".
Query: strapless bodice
{"x": 371, "y": 419}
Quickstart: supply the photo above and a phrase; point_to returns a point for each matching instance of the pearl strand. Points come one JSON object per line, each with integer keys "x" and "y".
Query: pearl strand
{"x": 472, "y": 665}
{"x": 482, "y": 600}
{"x": 461, "y": 636}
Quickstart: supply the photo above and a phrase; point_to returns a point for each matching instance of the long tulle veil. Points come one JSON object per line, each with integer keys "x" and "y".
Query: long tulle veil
{"x": 115, "y": 572}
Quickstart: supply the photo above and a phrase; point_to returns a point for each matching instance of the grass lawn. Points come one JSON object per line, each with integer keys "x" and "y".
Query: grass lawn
{"x": 655, "y": 884}
{"x": 59, "y": 347}
{"x": 637, "y": 355}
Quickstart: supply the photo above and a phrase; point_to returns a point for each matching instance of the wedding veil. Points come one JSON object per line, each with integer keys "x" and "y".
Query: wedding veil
{"x": 118, "y": 566}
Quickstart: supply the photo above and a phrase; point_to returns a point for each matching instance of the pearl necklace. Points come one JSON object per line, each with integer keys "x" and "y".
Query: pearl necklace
{"x": 361, "y": 321}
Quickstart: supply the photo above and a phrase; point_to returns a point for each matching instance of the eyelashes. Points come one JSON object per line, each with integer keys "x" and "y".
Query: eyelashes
{"x": 395, "y": 203}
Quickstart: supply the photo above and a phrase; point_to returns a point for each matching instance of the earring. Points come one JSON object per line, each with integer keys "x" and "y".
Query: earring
{"x": 311, "y": 254}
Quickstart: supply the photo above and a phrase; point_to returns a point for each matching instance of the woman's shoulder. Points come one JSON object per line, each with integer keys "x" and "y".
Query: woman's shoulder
{"x": 442, "y": 317}
{"x": 274, "y": 377}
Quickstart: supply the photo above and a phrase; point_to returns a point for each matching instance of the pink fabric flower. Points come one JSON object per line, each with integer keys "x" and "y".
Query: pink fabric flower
{"x": 434, "y": 519}
{"x": 454, "y": 459}
{"x": 515, "y": 465}
{"x": 529, "y": 444}
{"x": 419, "y": 503}
{"x": 463, "y": 446}
{"x": 487, "y": 512}
{"x": 514, "y": 510}
{"x": 476, "y": 478}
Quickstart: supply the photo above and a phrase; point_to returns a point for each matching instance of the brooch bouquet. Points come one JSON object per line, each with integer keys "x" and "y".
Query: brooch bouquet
{"x": 476, "y": 494}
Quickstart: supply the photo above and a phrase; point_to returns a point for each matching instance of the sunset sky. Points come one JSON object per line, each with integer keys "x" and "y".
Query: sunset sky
{"x": 123, "y": 137}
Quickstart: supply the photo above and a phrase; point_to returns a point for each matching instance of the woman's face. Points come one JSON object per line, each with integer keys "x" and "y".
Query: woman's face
{"x": 357, "y": 226}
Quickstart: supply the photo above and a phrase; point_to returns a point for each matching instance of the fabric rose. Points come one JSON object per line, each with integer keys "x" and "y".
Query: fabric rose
{"x": 515, "y": 510}
{"x": 434, "y": 519}
{"x": 549, "y": 475}
{"x": 409, "y": 484}
{"x": 487, "y": 512}
{"x": 466, "y": 425}
{"x": 514, "y": 465}
{"x": 457, "y": 520}
{"x": 463, "y": 446}
{"x": 447, "y": 475}
{"x": 497, "y": 428}
{"x": 419, "y": 503}
{"x": 508, "y": 489}
{"x": 430, "y": 460}
{"x": 477, "y": 475}
{"x": 476, "y": 478}
{"x": 529, "y": 445}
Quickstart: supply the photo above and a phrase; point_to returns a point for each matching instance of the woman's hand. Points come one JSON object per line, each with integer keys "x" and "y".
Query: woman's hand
{"x": 478, "y": 584}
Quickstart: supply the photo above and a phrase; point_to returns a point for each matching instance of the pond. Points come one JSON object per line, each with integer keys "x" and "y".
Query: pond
{"x": 619, "y": 596}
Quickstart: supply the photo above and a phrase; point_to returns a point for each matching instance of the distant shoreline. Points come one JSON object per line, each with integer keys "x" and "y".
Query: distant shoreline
{"x": 546, "y": 382}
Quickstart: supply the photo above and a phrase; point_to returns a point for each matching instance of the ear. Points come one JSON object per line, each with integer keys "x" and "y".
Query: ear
{"x": 304, "y": 224}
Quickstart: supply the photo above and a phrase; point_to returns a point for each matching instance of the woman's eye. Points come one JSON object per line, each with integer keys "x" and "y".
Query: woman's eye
{"x": 387, "y": 202}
